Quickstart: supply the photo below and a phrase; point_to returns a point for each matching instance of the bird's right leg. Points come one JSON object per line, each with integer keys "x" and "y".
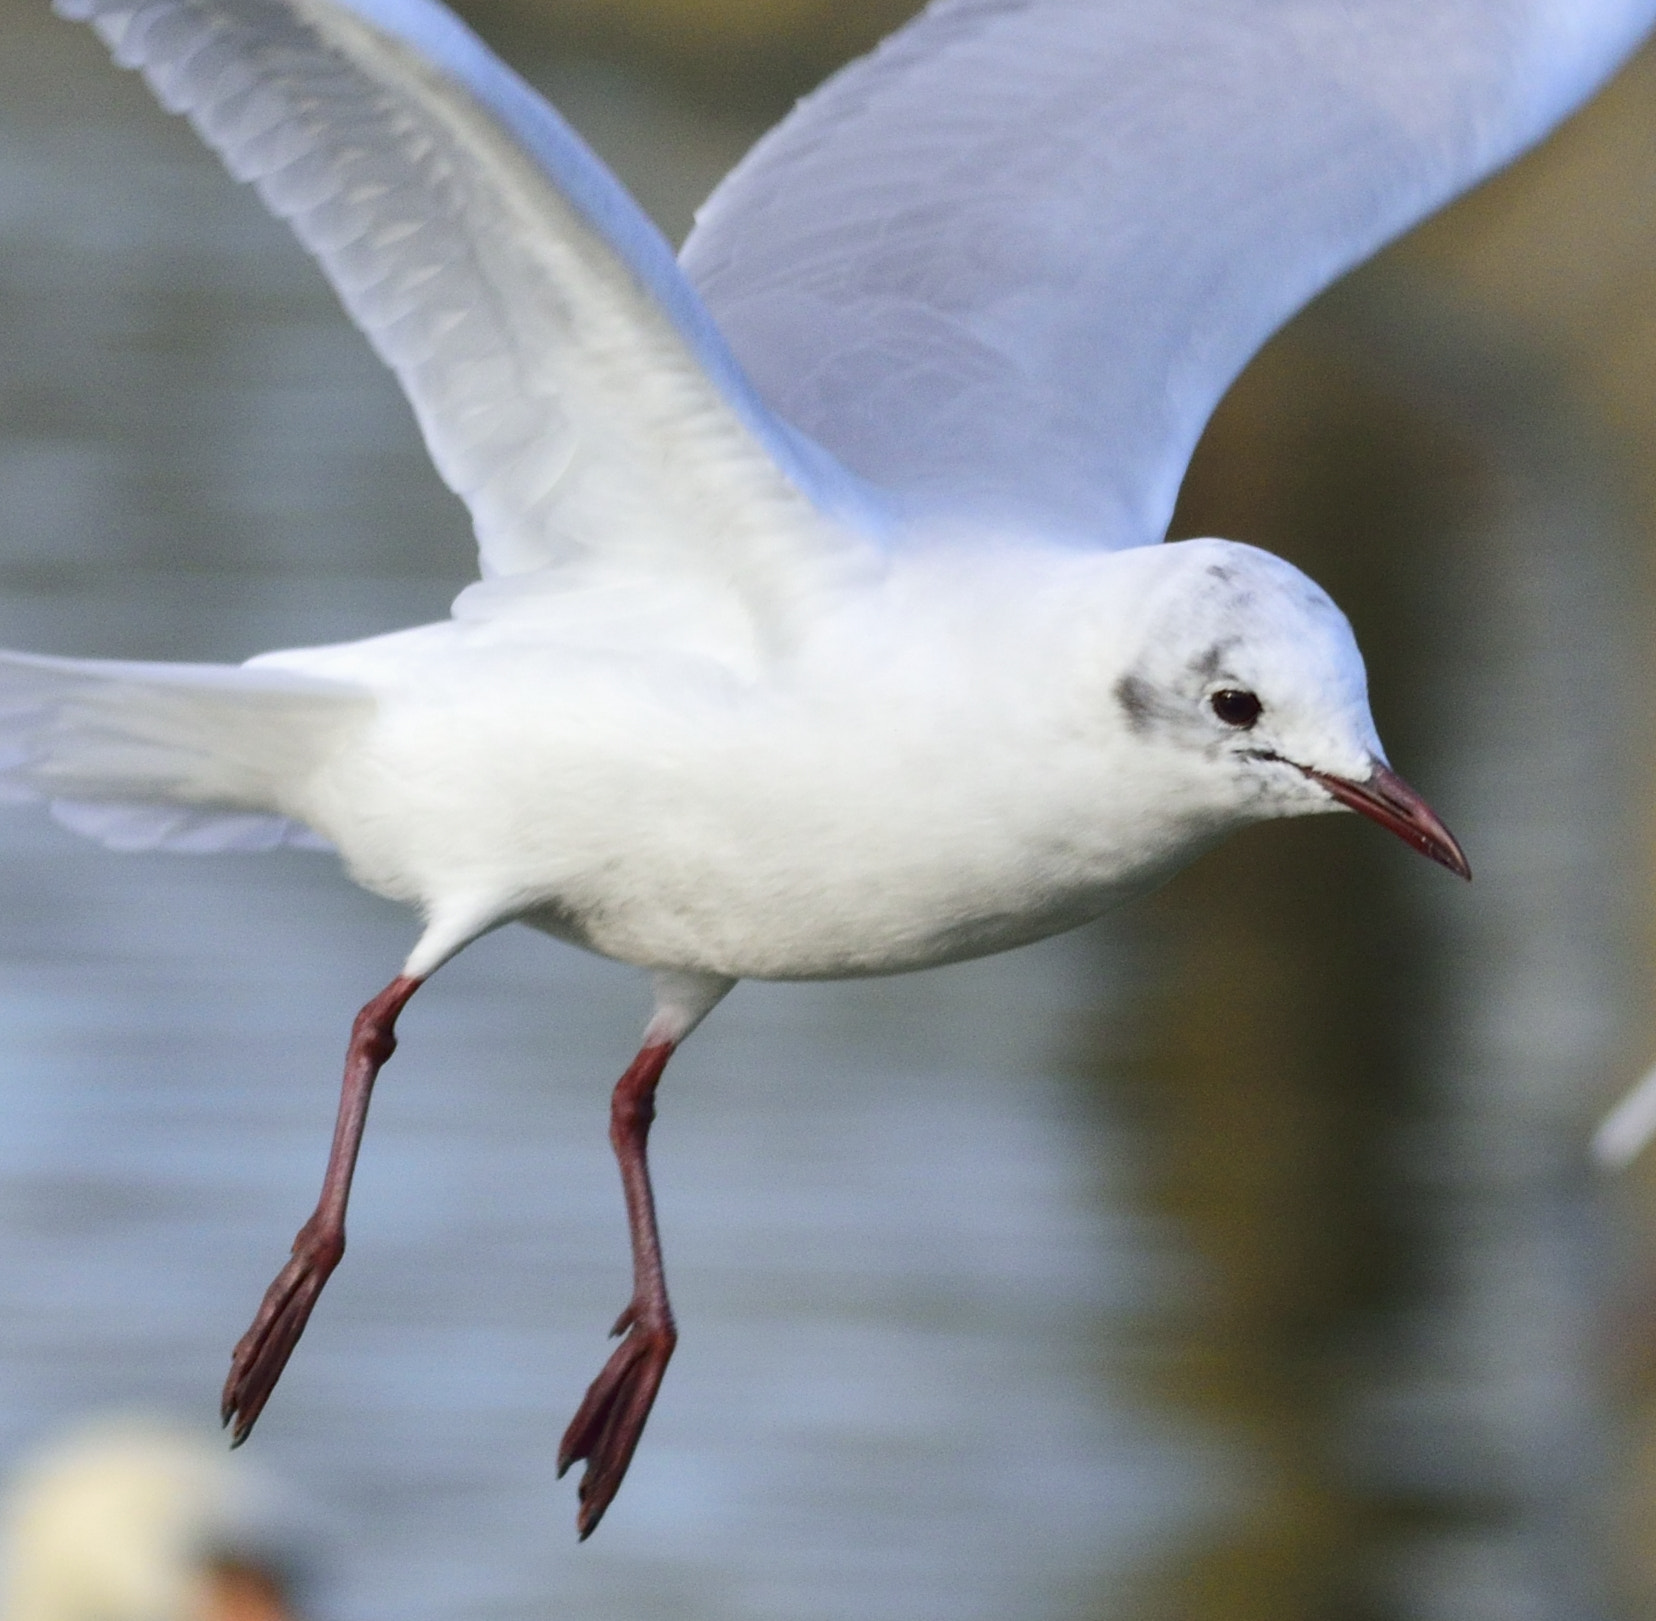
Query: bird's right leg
{"x": 263, "y": 1351}
{"x": 606, "y": 1429}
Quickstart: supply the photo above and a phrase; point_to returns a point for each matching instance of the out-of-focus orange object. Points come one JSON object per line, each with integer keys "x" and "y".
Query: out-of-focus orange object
{"x": 133, "y": 1520}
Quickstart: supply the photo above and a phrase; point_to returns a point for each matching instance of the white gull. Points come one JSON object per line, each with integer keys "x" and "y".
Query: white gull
{"x": 822, "y": 628}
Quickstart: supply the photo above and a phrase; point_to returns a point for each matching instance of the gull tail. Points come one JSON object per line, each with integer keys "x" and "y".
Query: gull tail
{"x": 195, "y": 757}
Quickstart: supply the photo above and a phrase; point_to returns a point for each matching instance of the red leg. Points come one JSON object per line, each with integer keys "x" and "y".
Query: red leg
{"x": 605, "y": 1431}
{"x": 262, "y": 1352}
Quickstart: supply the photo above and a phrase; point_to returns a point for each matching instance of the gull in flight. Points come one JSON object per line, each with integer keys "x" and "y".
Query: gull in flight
{"x": 824, "y": 627}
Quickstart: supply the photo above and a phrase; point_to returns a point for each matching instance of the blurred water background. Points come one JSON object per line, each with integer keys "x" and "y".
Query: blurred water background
{"x": 1237, "y": 1258}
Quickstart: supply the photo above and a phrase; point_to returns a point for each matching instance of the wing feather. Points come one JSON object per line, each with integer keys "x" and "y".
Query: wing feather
{"x": 570, "y": 386}
{"x": 1006, "y": 265}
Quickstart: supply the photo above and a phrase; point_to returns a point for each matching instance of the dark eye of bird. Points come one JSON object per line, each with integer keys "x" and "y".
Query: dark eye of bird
{"x": 1235, "y": 707}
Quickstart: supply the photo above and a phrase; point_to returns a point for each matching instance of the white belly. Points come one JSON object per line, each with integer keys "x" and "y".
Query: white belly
{"x": 709, "y": 836}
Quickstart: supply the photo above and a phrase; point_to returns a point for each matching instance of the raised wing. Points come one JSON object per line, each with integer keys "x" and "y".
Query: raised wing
{"x": 570, "y": 386}
{"x": 1006, "y": 265}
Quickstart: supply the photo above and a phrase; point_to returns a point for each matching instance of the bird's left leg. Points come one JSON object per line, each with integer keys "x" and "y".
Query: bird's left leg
{"x": 606, "y": 1429}
{"x": 263, "y": 1351}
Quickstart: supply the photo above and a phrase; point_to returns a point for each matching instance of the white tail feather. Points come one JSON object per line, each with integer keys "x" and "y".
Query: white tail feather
{"x": 192, "y": 757}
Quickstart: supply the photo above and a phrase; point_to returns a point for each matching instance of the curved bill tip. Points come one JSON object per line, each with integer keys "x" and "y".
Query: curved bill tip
{"x": 1384, "y": 797}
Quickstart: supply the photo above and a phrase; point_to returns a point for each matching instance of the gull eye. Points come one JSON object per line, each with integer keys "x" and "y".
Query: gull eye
{"x": 1236, "y": 708}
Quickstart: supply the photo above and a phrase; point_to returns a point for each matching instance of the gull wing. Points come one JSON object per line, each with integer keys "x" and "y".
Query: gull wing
{"x": 571, "y": 388}
{"x": 1006, "y": 265}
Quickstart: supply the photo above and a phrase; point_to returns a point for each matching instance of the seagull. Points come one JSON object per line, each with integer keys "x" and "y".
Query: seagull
{"x": 824, "y": 625}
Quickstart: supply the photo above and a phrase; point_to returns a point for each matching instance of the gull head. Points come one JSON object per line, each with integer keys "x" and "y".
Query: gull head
{"x": 1244, "y": 681}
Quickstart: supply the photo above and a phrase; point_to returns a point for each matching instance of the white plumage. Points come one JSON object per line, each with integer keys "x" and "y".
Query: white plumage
{"x": 821, "y": 628}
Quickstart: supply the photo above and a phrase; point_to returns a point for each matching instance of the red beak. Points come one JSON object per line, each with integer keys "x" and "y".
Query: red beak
{"x": 1384, "y": 797}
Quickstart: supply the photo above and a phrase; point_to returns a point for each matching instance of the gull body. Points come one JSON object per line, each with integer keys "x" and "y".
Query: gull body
{"x": 823, "y": 627}
{"x": 967, "y": 749}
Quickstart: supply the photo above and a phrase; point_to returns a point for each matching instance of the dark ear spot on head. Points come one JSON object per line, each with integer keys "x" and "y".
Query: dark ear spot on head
{"x": 1137, "y": 700}
{"x": 1219, "y": 572}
